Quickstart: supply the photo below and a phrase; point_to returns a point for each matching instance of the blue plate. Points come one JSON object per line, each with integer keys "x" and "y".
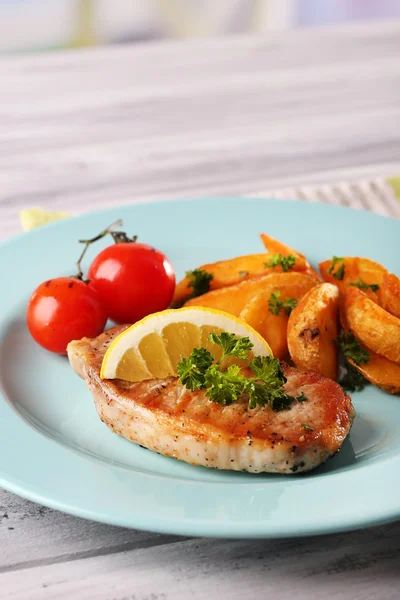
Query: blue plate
{"x": 54, "y": 449}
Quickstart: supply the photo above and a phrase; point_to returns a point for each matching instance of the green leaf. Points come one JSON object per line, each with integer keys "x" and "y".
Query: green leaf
{"x": 224, "y": 387}
{"x": 353, "y": 380}
{"x": 351, "y": 347}
{"x": 361, "y": 285}
{"x": 307, "y": 427}
{"x": 268, "y": 369}
{"x": 199, "y": 281}
{"x": 286, "y": 262}
{"x": 280, "y": 400}
{"x": 192, "y": 370}
{"x": 339, "y": 272}
{"x": 276, "y": 305}
{"x": 231, "y": 345}
{"x": 302, "y": 398}
{"x": 289, "y": 305}
{"x": 258, "y": 393}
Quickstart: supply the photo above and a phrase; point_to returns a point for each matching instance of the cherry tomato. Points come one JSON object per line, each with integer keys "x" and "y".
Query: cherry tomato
{"x": 64, "y": 309}
{"x": 132, "y": 280}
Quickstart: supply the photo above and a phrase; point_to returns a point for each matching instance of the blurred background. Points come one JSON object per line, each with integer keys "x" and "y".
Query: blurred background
{"x": 42, "y": 25}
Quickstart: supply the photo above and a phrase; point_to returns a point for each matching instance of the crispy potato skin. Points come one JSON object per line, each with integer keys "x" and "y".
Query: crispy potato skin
{"x": 274, "y": 327}
{"x": 381, "y": 372}
{"x": 374, "y": 326}
{"x": 275, "y": 247}
{"x": 313, "y": 329}
{"x": 371, "y": 272}
{"x": 234, "y": 298}
{"x": 389, "y": 294}
{"x": 235, "y": 270}
{"x": 355, "y": 268}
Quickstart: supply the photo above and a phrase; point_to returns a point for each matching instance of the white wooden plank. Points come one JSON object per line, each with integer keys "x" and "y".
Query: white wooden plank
{"x": 342, "y": 566}
{"x": 31, "y": 534}
{"x": 81, "y": 130}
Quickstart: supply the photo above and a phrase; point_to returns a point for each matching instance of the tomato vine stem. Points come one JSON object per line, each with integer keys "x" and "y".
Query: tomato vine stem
{"x": 118, "y": 237}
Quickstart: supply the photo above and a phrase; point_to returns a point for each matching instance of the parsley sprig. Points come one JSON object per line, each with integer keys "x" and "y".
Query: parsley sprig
{"x": 231, "y": 345}
{"x": 199, "y": 371}
{"x": 286, "y": 262}
{"x": 199, "y": 281}
{"x": 192, "y": 370}
{"x": 353, "y": 380}
{"x": 276, "y": 305}
{"x": 339, "y": 272}
{"x": 350, "y": 348}
{"x": 361, "y": 285}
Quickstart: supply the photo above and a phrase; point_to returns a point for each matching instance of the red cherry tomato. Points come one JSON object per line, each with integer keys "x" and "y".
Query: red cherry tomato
{"x": 132, "y": 280}
{"x": 64, "y": 309}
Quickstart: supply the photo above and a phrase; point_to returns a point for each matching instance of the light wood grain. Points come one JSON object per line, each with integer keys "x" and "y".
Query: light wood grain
{"x": 308, "y": 569}
{"x": 83, "y": 130}
{"x": 86, "y": 129}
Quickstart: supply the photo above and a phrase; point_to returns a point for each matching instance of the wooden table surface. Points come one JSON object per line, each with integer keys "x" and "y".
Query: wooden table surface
{"x": 82, "y": 130}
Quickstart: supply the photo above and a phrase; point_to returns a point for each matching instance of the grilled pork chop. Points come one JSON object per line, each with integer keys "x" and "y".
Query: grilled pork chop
{"x": 164, "y": 416}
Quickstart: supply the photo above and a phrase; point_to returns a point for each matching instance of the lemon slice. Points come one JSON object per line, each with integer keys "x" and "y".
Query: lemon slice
{"x": 35, "y": 217}
{"x": 153, "y": 347}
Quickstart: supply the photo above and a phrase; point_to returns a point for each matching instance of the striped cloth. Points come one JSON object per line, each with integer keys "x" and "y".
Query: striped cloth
{"x": 379, "y": 195}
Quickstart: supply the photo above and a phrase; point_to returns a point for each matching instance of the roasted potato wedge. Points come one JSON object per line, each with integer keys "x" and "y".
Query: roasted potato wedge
{"x": 234, "y": 270}
{"x": 313, "y": 331}
{"x": 369, "y": 273}
{"x": 273, "y": 327}
{"x": 389, "y": 294}
{"x": 354, "y": 269}
{"x": 275, "y": 247}
{"x": 234, "y": 298}
{"x": 377, "y": 329}
{"x": 381, "y": 372}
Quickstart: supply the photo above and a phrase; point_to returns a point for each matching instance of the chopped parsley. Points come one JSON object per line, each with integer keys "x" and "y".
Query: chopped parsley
{"x": 192, "y": 370}
{"x": 231, "y": 345}
{"x": 225, "y": 387}
{"x": 361, "y": 285}
{"x": 276, "y": 305}
{"x": 199, "y": 281}
{"x": 353, "y": 380}
{"x": 307, "y": 427}
{"x": 339, "y": 272}
{"x": 286, "y": 262}
{"x": 351, "y": 348}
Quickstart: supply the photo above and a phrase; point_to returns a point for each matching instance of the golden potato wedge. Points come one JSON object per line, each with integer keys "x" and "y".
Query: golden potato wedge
{"x": 313, "y": 331}
{"x": 389, "y": 294}
{"x": 381, "y": 372}
{"x": 273, "y": 327}
{"x": 353, "y": 269}
{"x": 370, "y": 273}
{"x": 233, "y": 299}
{"x": 276, "y": 247}
{"x": 234, "y": 270}
{"x": 377, "y": 329}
